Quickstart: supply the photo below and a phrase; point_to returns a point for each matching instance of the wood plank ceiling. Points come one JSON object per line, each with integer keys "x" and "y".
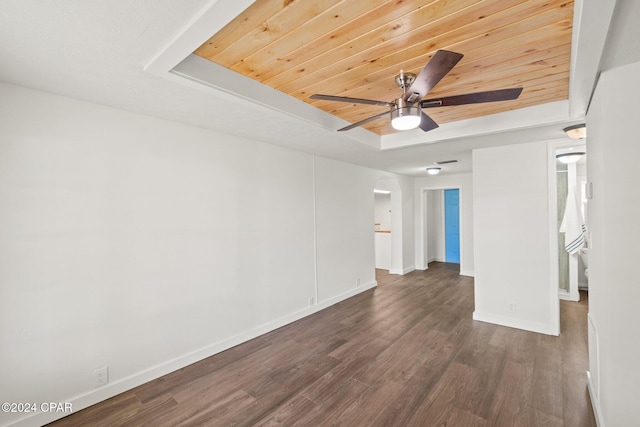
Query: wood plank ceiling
{"x": 356, "y": 48}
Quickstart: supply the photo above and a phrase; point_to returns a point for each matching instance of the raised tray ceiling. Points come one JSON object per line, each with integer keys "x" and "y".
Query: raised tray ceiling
{"x": 356, "y": 48}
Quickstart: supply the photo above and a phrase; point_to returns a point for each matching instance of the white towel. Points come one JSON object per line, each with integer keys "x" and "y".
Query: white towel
{"x": 573, "y": 224}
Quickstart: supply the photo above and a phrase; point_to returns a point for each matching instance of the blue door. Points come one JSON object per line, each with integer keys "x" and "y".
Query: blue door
{"x": 452, "y": 225}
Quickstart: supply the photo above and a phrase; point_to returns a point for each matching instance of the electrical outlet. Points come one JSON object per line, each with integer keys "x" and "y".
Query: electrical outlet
{"x": 511, "y": 307}
{"x": 357, "y": 281}
{"x": 310, "y": 301}
{"x": 101, "y": 377}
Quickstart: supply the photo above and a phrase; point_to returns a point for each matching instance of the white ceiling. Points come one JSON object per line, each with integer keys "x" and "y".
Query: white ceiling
{"x": 121, "y": 53}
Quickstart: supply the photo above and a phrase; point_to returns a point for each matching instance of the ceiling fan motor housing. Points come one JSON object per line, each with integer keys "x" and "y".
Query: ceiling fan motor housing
{"x": 405, "y": 80}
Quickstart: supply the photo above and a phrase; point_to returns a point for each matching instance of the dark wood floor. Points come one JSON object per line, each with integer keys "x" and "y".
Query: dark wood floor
{"x": 405, "y": 354}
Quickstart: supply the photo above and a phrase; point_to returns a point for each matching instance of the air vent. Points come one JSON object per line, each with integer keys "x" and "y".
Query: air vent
{"x": 444, "y": 162}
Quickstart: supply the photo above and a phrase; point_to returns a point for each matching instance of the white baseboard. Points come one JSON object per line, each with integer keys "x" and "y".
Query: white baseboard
{"x": 403, "y": 271}
{"x": 114, "y": 388}
{"x": 595, "y": 403}
{"x": 408, "y": 270}
{"x": 514, "y": 323}
{"x": 568, "y": 296}
{"x": 469, "y": 273}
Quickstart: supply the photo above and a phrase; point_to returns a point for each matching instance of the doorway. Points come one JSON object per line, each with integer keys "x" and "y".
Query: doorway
{"x": 571, "y": 224}
{"x": 388, "y": 225}
{"x": 432, "y": 245}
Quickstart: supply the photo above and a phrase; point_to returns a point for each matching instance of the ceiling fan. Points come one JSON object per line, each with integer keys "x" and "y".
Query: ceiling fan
{"x": 406, "y": 111}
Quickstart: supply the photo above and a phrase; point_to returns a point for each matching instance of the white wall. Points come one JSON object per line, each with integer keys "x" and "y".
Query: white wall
{"x": 146, "y": 245}
{"x": 436, "y": 248}
{"x": 465, "y": 183}
{"x": 344, "y": 218}
{"x": 614, "y": 287}
{"x": 383, "y": 250}
{"x": 407, "y": 185}
{"x": 513, "y": 224}
{"x": 382, "y": 210}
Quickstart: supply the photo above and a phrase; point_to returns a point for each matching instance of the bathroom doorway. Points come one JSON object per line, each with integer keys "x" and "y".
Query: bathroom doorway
{"x": 572, "y": 234}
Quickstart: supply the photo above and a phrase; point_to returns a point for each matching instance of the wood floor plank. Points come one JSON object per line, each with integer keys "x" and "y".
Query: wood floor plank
{"x": 490, "y": 365}
{"x": 332, "y": 403}
{"x": 153, "y": 412}
{"x": 577, "y": 405}
{"x": 365, "y": 410}
{"x": 406, "y": 353}
{"x": 547, "y": 382}
{"x": 455, "y": 389}
{"x": 114, "y": 411}
{"x": 356, "y": 348}
{"x": 403, "y": 406}
{"x": 402, "y": 359}
{"x": 450, "y": 416}
{"x": 509, "y": 406}
{"x": 219, "y": 412}
{"x": 289, "y": 413}
{"x": 152, "y": 389}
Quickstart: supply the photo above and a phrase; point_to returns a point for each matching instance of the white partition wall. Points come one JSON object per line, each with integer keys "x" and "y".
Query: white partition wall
{"x": 614, "y": 209}
{"x": 344, "y": 218}
{"x": 513, "y": 273}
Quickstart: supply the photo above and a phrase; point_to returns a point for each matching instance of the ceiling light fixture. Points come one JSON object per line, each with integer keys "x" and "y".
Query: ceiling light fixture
{"x": 571, "y": 157}
{"x": 433, "y": 171}
{"x": 576, "y": 131}
{"x": 405, "y": 117}
{"x": 378, "y": 191}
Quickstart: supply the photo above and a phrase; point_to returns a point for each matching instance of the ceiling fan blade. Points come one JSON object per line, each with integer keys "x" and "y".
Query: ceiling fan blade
{"x": 427, "y": 123}
{"x": 361, "y": 122}
{"x": 473, "y": 98}
{"x": 355, "y": 100}
{"x": 438, "y": 66}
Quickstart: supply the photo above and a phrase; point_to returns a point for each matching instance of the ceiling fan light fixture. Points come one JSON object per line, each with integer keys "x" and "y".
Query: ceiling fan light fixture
{"x": 406, "y": 111}
{"x": 405, "y": 118}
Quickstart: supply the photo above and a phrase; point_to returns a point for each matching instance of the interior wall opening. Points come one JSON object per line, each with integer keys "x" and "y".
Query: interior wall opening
{"x": 387, "y": 227}
{"x": 382, "y": 228}
{"x": 441, "y": 237}
{"x": 572, "y": 224}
